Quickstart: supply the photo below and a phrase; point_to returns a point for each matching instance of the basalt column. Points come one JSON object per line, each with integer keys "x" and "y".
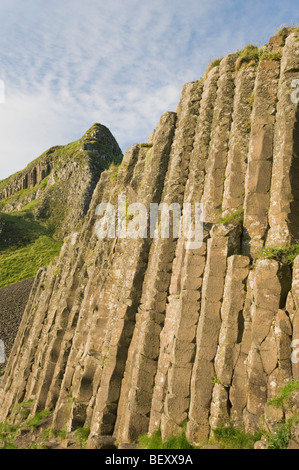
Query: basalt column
{"x": 135, "y": 404}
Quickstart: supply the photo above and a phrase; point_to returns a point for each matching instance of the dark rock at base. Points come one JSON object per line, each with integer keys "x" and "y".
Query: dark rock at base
{"x": 102, "y": 442}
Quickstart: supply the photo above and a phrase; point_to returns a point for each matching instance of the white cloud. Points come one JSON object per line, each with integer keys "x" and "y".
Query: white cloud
{"x": 69, "y": 64}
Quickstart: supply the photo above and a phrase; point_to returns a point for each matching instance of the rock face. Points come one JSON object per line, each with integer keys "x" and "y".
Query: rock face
{"x": 131, "y": 335}
{"x": 57, "y": 187}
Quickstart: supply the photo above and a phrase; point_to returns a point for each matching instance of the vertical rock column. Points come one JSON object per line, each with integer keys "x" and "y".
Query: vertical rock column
{"x": 130, "y": 265}
{"x": 135, "y": 403}
{"x": 232, "y": 324}
{"x": 207, "y": 337}
{"x": 268, "y": 294}
{"x": 222, "y": 118}
{"x": 56, "y": 331}
{"x": 238, "y": 390}
{"x": 83, "y": 368}
{"x": 292, "y": 307}
{"x": 258, "y": 176}
{"x": 284, "y": 202}
{"x": 177, "y": 342}
{"x": 234, "y": 176}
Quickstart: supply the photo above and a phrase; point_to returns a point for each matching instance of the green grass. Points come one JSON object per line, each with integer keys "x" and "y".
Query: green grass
{"x": 23, "y": 405}
{"x": 148, "y": 157}
{"x": 286, "y": 30}
{"x": 8, "y": 431}
{"x": 81, "y": 435}
{"x": 214, "y": 380}
{"x": 23, "y": 195}
{"x": 19, "y": 264}
{"x": 251, "y": 99}
{"x": 285, "y": 254}
{"x": 249, "y": 54}
{"x": 271, "y": 55}
{"x": 19, "y": 229}
{"x": 59, "y": 434}
{"x": 212, "y": 64}
{"x": 284, "y": 394}
{"x": 281, "y": 434}
{"x": 36, "y": 420}
{"x": 279, "y": 438}
{"x": 237, "y": 217}
{"x": 113, "y": 171}
{"x": 155, "y": 441}
{"x": 227, "y": 437}
{"x": 146, "y": 144}
{"x": 25, "y": 246}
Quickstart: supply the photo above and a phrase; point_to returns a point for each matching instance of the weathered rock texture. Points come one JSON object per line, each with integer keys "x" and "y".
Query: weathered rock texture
{"x": 132, "y": 335}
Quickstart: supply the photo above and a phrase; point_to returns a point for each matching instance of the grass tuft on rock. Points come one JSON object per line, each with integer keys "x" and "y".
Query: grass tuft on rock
{"x": 228, "y": 437}
{"x": 155, "y": 441}
{"x": 284, "y": 394}
{"x": 285, "y": 254}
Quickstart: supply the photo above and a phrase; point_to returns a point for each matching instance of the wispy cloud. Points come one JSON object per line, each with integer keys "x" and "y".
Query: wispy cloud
{"x": 69, "y": 64}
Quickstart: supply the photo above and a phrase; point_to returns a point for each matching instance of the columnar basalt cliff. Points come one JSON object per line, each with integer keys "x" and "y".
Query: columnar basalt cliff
{"x": 126, "y": 336}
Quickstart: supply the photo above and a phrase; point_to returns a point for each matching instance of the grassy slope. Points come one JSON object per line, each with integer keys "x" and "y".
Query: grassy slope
{"x": 25, "y": 246}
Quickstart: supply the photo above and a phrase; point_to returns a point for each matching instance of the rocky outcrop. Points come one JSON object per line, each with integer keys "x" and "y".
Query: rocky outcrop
{"x": 132, "y": 335}
{"x": 57, "y": 187}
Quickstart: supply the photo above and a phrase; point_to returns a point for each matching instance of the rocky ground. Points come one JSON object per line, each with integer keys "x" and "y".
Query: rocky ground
{"x": 13, "y": 300}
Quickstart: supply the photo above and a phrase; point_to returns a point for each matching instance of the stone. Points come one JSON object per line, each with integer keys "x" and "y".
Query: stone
{"x": 102, "y": 442}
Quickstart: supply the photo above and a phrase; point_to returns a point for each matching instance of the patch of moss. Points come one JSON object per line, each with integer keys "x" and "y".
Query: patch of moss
{"x": 251, "y": 99}
{"x": 228, "y": 437}
{"x": 148, "y": 157}
{"x": 155, "y": 441}
{"x": 237, "y": 217}
{"x": 271, "y": 55}
{"x": 113, "y": 171}
{"x": 59, "y": 433}
{"x": 248, "y": 55}
{"x": 81, "y": 435}
{"x": 25, "y": 246}
{"x": 285, "y": 254}
{"x": 145, "y": 145}
{"x": 248, "y": 126}
{"x": 36, "y": 420}
{"x": 215, "y": 380}
{"x": 212, "y": 64}
{"x": 283, "y": 31}
{"x": 22, "y": 196}
{"x": 8, "y": 431}
{"x": 284, "y": 394}
{"x": 282, "y": 433}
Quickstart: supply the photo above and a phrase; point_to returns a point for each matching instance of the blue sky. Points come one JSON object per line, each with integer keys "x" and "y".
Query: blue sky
{"x": 67, "y": 64}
